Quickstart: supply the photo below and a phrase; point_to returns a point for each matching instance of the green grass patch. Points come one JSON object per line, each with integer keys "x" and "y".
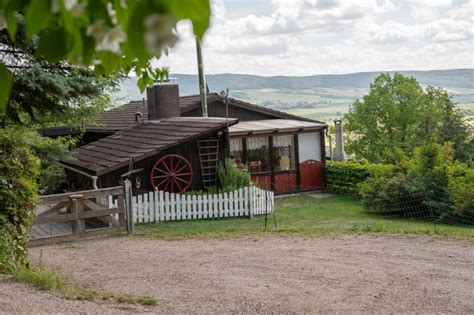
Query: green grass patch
{"x": 49, "y": 280}
{"x": 303, "y": 215}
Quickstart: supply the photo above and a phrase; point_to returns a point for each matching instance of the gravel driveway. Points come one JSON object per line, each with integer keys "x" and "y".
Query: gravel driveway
{"x": 355, "y": 274}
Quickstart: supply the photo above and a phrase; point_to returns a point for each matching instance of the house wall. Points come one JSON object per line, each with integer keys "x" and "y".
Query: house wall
{"x": 309, "y": 159}
{"x": 310, "y": 146}
{"x": 189, "y": 150}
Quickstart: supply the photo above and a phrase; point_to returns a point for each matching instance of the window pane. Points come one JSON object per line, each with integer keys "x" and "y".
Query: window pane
{"x": 235, "y": 145}
{"x": 283, "y": 153}
{"x": 257, "y": 154}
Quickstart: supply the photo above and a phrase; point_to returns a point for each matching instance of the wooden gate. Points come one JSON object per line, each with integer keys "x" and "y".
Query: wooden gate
{"x": 76, "y": 215}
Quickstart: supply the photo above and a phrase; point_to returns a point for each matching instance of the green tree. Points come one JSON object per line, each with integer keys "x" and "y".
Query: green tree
{"x": 451, "y": 126}
{"x": 398, "y": 114}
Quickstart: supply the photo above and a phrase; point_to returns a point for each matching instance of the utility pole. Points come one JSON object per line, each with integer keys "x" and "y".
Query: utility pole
{"x": 202, "y": 79}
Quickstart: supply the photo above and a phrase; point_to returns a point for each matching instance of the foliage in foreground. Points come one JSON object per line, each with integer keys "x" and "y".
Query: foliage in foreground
{"x": 19, "y": 168}
{"x": 108, "y": 36}
{"x": 45, "y": 279}
{"x": 27, "y": 165}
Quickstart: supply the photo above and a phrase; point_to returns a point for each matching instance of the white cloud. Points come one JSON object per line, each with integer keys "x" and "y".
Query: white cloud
{"x": 301, "y": 37}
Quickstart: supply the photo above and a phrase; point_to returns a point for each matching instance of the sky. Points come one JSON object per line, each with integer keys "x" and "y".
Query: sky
{"x": 307, "y": 37}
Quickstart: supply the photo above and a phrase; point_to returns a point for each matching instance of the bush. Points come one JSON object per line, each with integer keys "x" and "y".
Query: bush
{"x": 231, "y": 177}
{"x": 345, "y": 177}
{"x": 427, "y": 186}
{"x": 19, "y": 169}
{"x": 52, "y": 178}
{"x": 461, "y": 188}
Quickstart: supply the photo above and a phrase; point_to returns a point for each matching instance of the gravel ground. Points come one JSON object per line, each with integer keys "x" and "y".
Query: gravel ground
{"x": 21, "y": 298}
{"x": 354, "y": 274}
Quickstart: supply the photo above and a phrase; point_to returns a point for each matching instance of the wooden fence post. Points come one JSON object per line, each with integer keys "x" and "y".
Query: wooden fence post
{"x": 127, "y": 193}
{"x": 78, "y": 225}
{"x": 120, "y": 205}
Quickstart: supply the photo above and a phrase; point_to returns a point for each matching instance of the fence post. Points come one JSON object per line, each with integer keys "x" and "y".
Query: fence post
{"x": 128, "y": 194}
{"x": 78, "y": 225}
{"x": 251, "y": 201}
{"x": 120, "y": 205}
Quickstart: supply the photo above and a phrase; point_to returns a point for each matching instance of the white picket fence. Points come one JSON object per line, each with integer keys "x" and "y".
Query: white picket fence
{"x": 156, "y": 206}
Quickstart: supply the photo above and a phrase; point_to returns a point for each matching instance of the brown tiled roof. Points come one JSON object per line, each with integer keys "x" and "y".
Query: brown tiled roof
{"x": 124, "y": 116}
{"x": 141, "y": 141}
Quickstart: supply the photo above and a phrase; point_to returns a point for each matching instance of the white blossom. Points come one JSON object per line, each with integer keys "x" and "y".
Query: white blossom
{"x": 111, "y": 41}
{"x": 97, "y": 30}
{"x": 70, "y": 4}
{"x": 159, "y": 32}
{"x": 112, "y": 13}
{"x": 106, "y": 38}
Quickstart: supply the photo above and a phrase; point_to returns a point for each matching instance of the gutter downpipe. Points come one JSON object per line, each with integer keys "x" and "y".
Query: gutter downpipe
{"x": 93, "y": 177}
{"x": 202, "y": 79}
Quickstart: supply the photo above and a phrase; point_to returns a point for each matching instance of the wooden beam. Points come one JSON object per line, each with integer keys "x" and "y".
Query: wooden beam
{"x": 244, "y": 150}
{"x": 54, "y": 208}
{"x": 87, "y": 194}
{"x": 297, "y": 161}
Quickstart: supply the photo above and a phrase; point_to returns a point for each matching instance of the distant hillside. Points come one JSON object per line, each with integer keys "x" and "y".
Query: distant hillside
{"x": 317, "y": 96}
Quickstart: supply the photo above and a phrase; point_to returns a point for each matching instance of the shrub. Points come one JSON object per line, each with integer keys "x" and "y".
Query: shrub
{"x": 19, "y": 169}
{"x": 427, "y": 186}
{"x": 231, "y": 177}
{"x": 461, "y": 188}
{"x": 52, "y": 178}
{"x": 395, "y": 195}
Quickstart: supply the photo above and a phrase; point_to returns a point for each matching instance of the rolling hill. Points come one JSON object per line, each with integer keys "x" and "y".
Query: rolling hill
{"x": 318, "y": 96}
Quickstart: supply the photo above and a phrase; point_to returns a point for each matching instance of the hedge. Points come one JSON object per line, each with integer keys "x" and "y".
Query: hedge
{"x": 19, "y": 169}
{"x": 345, "y": 177}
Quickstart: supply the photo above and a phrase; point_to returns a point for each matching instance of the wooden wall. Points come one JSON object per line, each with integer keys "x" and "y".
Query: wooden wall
{"x": 189, "y": 150}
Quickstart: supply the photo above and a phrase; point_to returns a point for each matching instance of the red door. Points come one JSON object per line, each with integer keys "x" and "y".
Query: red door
{"x": 311, "y": 173}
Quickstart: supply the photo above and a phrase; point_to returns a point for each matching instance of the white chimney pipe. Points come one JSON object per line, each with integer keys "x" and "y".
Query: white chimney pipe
{"x": 340, "y": 153}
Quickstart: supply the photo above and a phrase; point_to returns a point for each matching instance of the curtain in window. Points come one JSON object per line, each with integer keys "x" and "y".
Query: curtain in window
{"x": 282, "y": 141}
{"x": 254, "y": 143}
{"x": 235, "y": 144}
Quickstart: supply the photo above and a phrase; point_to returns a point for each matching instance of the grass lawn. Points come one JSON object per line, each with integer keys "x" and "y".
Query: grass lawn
{"x": 303, "y": 215}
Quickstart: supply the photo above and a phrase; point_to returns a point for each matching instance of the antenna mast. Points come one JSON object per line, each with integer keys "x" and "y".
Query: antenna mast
{"x": 202, "y": 79}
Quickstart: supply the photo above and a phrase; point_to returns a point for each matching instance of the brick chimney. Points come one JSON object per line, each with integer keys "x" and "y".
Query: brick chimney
{"x": 163, "y": 101}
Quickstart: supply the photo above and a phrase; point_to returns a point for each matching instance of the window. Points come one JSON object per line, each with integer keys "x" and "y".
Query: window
{"x": 257, "y": 154}
{"x": 283, "y": 153}
{"x": 236, "y": 150}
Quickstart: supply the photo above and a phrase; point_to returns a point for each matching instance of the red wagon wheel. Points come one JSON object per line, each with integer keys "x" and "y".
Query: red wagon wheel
{"x": 172, "y": 173}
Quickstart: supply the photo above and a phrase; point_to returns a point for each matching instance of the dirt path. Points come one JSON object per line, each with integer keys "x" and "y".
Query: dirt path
{"x": 277, "y": 274}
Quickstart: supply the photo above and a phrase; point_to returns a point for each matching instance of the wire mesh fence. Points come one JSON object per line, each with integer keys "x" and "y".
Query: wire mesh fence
{"x": 329, "y": 209}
